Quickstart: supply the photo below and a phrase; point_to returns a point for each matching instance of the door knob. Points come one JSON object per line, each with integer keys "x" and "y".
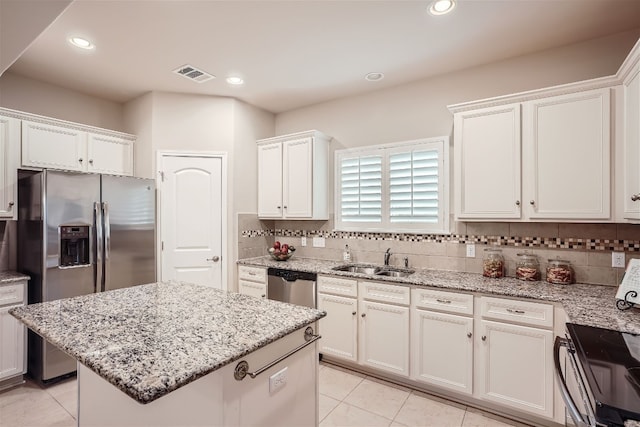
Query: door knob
{"x": 215, "y": 258}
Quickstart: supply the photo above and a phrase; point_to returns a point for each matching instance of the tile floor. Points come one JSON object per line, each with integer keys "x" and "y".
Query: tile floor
{"x": 347, "y": 399}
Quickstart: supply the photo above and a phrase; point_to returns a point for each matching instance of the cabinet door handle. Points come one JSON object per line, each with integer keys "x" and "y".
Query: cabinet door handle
{"x": 285, "y": 207}
{"x": 80, "y": 159}
{"x": 517, "y": 202}
{"x": 364, "y": 314}
{"x": 91, "y": 161}
{"x": 484, "y": 338}
{"x": 635, "y": 197}
{"x": 443, "y": 301}
{"x": 511, "y": 310}
{"x": 532, "y": 202}
{"x": 353, "y": 312}
{"x": 277, "y": 207}
{"x": 263, "y": 295}
{"x": 469, "y": 334}
{"x": 11, "y": 205}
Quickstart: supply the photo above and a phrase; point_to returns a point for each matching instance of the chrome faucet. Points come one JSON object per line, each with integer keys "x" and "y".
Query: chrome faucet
{"x": 387, "y": 255}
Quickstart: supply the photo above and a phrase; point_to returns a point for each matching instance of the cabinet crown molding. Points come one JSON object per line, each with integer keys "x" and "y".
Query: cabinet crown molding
{"x": 21, "y": 115}
{"x": 297, "y": 135}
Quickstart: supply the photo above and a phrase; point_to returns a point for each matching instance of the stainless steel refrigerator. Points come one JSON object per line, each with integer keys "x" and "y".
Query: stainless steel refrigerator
{"x": 80, "y": 233}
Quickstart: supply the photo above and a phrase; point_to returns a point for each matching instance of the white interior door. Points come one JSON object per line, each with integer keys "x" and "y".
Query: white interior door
{"x": 192, "y": 207}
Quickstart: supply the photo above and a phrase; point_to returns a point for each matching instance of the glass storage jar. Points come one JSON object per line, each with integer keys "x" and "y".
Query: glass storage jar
{"x": 493, "y": 263}
{"x": 527, "y": 267}
{"x": 559, "y": 272}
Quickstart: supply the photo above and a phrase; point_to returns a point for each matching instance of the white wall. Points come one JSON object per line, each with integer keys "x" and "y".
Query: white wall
{"x": 138, "y": 115}
{"x": 33, "y": 96}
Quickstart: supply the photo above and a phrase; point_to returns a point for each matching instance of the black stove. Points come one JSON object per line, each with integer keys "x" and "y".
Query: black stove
{"x": 611, "y": 364}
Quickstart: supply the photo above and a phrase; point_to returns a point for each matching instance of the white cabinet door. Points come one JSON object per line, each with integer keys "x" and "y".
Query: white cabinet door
{"x": 384, "y": 337}
{"x": 515, "y": 367}
{"x": 257, "y": 290}
{"x": 298, "y": 178}
{"x": 108, "y": 154}
{"x": 631, "y": 190}
{"x": 339, "y": 329}
{"x": 11, "y": 345}
{"x": 270, "y": 180}
{"x": 566, "y": 166}
{"x": 47, "y": 146}
{"x": 487, "y": 156}
{"x": 9, "y": 162}
{"x": 442, "y": 350}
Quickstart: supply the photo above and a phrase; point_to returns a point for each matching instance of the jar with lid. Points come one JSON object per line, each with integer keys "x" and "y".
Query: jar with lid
{"x": 559, "y": 272}
{"x": 493, "y": 263}
{"x": 527, "y": 267}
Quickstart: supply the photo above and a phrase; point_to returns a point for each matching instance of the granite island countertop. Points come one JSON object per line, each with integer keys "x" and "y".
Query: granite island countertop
{"x": 590, "y": 305}
{"x": 149, "y": 340}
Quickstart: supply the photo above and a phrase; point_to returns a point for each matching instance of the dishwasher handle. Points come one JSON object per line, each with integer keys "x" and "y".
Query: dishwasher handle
{"x": 564, "y": 390}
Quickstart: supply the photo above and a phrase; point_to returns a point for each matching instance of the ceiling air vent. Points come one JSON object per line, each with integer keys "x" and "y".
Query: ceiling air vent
{"x": 192, "y": 73}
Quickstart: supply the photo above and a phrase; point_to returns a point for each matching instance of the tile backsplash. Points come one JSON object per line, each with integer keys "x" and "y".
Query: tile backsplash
{"x": 587, "y": 246}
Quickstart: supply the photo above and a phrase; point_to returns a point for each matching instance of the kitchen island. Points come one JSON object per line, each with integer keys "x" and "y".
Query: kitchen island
{"x": 170, "y": 346}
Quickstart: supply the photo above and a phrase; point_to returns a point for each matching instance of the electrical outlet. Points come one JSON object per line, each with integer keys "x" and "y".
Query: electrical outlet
{"x": 318, "y": 242}
{"x": 471, "y": 251}
{"x": 303, "y": 241}
{"x": 617, "y": 259}
{"x": 278, "y": 380}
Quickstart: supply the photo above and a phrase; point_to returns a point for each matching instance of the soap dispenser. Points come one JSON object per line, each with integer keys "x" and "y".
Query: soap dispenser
{"x": 346, "y": 255}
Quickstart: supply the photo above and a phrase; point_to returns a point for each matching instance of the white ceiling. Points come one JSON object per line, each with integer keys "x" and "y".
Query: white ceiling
{"x": 297, "y": 53}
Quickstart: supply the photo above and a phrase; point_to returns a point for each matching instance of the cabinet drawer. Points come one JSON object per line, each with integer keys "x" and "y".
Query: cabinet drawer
{"x": 338, "y": 286}
{"x": 252, "y": 274}
{"x": 11, "y": 294}
{"x": 450, "y": 302}
{"x": 385, "y": 293}
{"x": 513, "y": 311}
{"x": 254, "y": 289}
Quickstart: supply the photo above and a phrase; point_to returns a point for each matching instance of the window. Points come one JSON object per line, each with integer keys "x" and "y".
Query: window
{"x": 394, "y": 188}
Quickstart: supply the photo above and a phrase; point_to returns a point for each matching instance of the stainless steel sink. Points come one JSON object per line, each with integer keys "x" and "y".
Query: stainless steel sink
{"x": 364, "y": 269}
{"x": 378, "y": 271}
{"x": 393, "y": 272}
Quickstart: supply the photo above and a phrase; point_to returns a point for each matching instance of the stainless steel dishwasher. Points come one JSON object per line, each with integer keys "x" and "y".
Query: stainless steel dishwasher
{"x": 295, "y": 287}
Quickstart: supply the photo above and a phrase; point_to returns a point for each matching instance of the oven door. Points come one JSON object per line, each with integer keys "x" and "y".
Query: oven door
{"x": 573, "y": 388}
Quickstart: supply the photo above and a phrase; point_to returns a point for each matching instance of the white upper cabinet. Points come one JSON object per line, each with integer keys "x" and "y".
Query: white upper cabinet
{"x": 566, "y": 165}
{"x": 542, "y": 159}
{"x": 487, "y": 155}
{"x": 54, "y": 146}
{"x": 9, "y": 160}
{"x": 293, "y": 176}
{"x": 48, "y": 146}
{"x": 631, "y": 88}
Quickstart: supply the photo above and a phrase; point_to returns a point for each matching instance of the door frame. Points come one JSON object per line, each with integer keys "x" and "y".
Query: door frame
{"x": 224, "y": 253}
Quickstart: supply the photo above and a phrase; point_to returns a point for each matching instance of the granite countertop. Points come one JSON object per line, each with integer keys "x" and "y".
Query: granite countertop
{"x": 149, "y": 340}
{"x": 590, "y": 305}
{"x": 12, "y": 276}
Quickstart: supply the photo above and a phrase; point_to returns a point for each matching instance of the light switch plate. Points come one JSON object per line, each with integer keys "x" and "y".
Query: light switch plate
{"x": 303, "y": 241}
{"x": 471, "y": 251}
{"x": 318, "y": 242}
{"x": 617, "y": 259}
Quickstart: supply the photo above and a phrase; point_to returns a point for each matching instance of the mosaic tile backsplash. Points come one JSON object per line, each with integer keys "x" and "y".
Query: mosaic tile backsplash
{"x": 587, "y": 246}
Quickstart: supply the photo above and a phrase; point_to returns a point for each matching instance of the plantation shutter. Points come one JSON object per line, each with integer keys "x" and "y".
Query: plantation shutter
{"x": 413, "y": 187}
{"x": 361, "y": 189}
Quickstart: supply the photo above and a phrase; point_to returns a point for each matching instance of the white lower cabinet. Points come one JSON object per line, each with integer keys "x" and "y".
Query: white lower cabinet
{"x": 384, "y": 327}
{"x": 442, "y": 342}
{"x": 339, "y": 329}
{"x": 514, "y": 364}
{"x": 12, "y": 332}
{"x": 252, "y": 281}
{"x": 337, "y": 296}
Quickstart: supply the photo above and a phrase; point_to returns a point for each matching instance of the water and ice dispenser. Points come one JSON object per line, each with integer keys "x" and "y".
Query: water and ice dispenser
{"x": 74, "y": 245}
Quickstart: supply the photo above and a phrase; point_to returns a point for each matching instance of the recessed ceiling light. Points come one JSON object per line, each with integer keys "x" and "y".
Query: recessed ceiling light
{"x": 235, "y": 80}
{"x": 81, "y": 43}
{"x": 440, "y": 7}
{"x": 374, "y": 77}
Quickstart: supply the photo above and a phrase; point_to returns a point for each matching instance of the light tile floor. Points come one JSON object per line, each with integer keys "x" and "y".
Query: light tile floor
{"x": 347, "y": 399}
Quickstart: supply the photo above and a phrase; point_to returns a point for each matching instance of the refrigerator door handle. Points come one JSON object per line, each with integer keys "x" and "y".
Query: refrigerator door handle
{"x": 107, "y": 242}
{"x": 99, "y": 242}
